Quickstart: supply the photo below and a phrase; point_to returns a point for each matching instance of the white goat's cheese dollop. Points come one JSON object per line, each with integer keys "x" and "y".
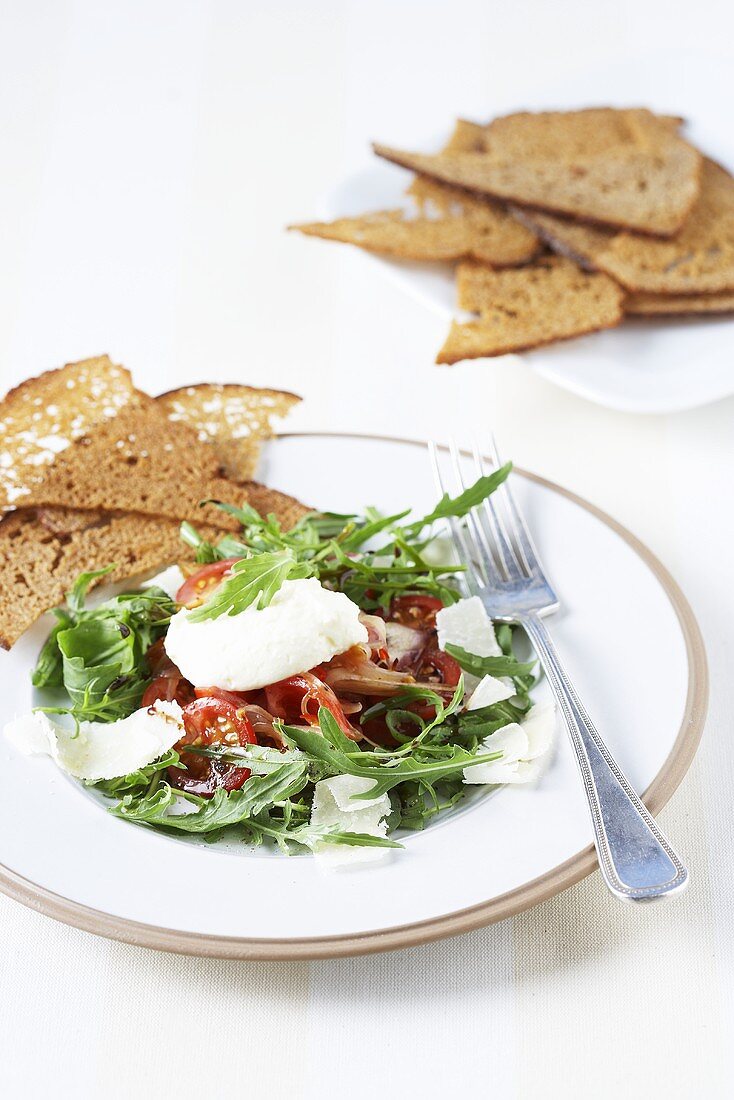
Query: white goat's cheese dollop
{"x": 303, "y": 626}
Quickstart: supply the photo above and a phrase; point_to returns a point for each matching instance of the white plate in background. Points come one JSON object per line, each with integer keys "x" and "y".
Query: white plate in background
{"x": 647, "y": 365}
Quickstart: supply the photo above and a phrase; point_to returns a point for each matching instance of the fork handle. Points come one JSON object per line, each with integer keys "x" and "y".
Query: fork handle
{"x": 635, "y": 859}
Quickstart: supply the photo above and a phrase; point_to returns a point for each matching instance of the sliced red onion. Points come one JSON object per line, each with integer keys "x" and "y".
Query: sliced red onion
{"x": 376, "y": 631}
{"x": 406, "y": 645}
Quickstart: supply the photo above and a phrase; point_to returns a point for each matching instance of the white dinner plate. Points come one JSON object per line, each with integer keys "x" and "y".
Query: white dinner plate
{"x": 648, "y": 365}
{"x": 630, "y": 642}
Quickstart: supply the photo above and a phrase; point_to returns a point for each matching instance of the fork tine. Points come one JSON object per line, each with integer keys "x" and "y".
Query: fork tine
{"x": 521, "y": 532}
{"x": 458, "y": 533}
{"x": 492, "y": 519}
{"x": 481, "y": 541}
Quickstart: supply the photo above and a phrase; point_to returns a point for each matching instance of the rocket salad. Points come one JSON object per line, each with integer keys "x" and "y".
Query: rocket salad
{"x": 317, "y": 688}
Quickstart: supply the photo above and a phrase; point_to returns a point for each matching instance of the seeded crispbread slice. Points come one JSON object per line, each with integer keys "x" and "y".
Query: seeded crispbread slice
{"x": 43, "y": 415}
{"x": 652, "y": 305}
{"x": 624, "y": 168}
{"x": 38, "y": 567}
{"x": 700, "y": 260}
{"x": 549, "y": 300}
{"x": 234, "y": 419}
{"x": 138, "y": 461}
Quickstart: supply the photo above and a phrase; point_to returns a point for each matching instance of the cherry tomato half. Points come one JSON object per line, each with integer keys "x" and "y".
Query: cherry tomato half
{"x": 169, "y": 688}
{"x": 211, "y": 721}
{"x": 416, "y": 610}
{"x": 301, "y": 697}
{"x": 168, "y": 683}
{"x": 196, "y": 588}
{"x": 436, "y": 664}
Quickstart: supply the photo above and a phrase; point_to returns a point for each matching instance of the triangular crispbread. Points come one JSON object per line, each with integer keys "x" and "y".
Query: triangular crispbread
{"x": 38, "y": 566}
{"x": 235, "y": 419}
{"x": 549, "y": 300}
{"x": 700, "y": 260}
{"x": 138, "y": 461}
{"x": 617, "y": 167}
{"x": 43, "y": 415}
{"x": 447, "y": 222}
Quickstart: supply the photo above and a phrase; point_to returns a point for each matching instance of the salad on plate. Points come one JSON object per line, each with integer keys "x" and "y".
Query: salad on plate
{"x": 325, "y": 688}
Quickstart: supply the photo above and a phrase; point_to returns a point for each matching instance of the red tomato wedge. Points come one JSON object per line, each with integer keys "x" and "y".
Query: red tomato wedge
{"x": 168, "y": 684}
{"x": 211, "y": 721}
{"x": 301, "y": 697}
{"x": 200, "y": 585}
{"x": 416, "y": 610}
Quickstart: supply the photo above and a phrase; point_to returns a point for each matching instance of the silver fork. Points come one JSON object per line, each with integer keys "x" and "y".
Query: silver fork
{"x": 503, "y": 569}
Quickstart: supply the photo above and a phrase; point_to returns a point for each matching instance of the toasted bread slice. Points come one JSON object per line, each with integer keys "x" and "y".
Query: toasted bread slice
{"x": 700, "y": 260}
{"x": 43, "y": 415}
{"x": 461, "y": 227}
{"x": 42, "y": 551}
{"x": 447, "y": 223}
{"x": 138, "y": 461}
{"x": 625, "y": 168}
{"x": 234, "y": 419}
{"x": 549, "y": 300}
{"x": 653, "y": 305}
{"x": 38, "y": 567}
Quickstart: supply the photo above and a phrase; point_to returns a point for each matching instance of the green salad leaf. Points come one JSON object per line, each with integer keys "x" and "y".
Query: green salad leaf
{"x": 99, "y": 656}
{"x": 253, "y": 582}
{"x": 489, "y": 666}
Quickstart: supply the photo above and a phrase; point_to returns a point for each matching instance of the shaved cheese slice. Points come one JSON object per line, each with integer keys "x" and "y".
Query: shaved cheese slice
{"x": 170, "y": 580}
{"x": 540, "y": 726}
{"x": 467, "y": 624}
{"x": 488, "y": 691}
{"x": 333, "y": 805}
{"x": 522, "y": 746}
{"x": 101, "y": 750}
{"x": 512, "y": 742}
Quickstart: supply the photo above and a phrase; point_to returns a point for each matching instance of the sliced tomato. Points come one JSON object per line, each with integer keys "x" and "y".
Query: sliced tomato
{"x": 301, "y": 697}
{"x": 236, "y": 698}
{"x": 439, "y": 670}
{"x": 170, "y": 688}
{"x": 435, "y": 664}
{"x": 416, "y": 610}
{"x": 168, "y": 683}
{"x": 196, "y": 588}
{"x": 211, "y": 721}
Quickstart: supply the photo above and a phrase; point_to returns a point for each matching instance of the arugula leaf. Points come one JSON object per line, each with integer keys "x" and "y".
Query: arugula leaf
{"x": 138, "y": 782}
{"x": 458, "y": 506}
{"x": 98, "y": 654}
{"x": 77, "y": 595}
{"x": 489, "y": 666}
{"x": 320, "y": 747}
{"x": 49, "y": 666}
{"x": 223, "y": 809}
{"x": 253, "y": 582}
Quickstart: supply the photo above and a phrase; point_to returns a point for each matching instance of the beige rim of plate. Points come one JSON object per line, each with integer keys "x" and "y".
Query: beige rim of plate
{"x": 465, "y": 920}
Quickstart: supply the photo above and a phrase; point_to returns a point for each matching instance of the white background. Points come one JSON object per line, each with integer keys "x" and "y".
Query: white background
{"x": 151, "y": 155}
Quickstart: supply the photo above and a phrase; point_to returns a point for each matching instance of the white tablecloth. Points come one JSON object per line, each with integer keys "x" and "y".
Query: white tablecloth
{"x": 151, "y": 155}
